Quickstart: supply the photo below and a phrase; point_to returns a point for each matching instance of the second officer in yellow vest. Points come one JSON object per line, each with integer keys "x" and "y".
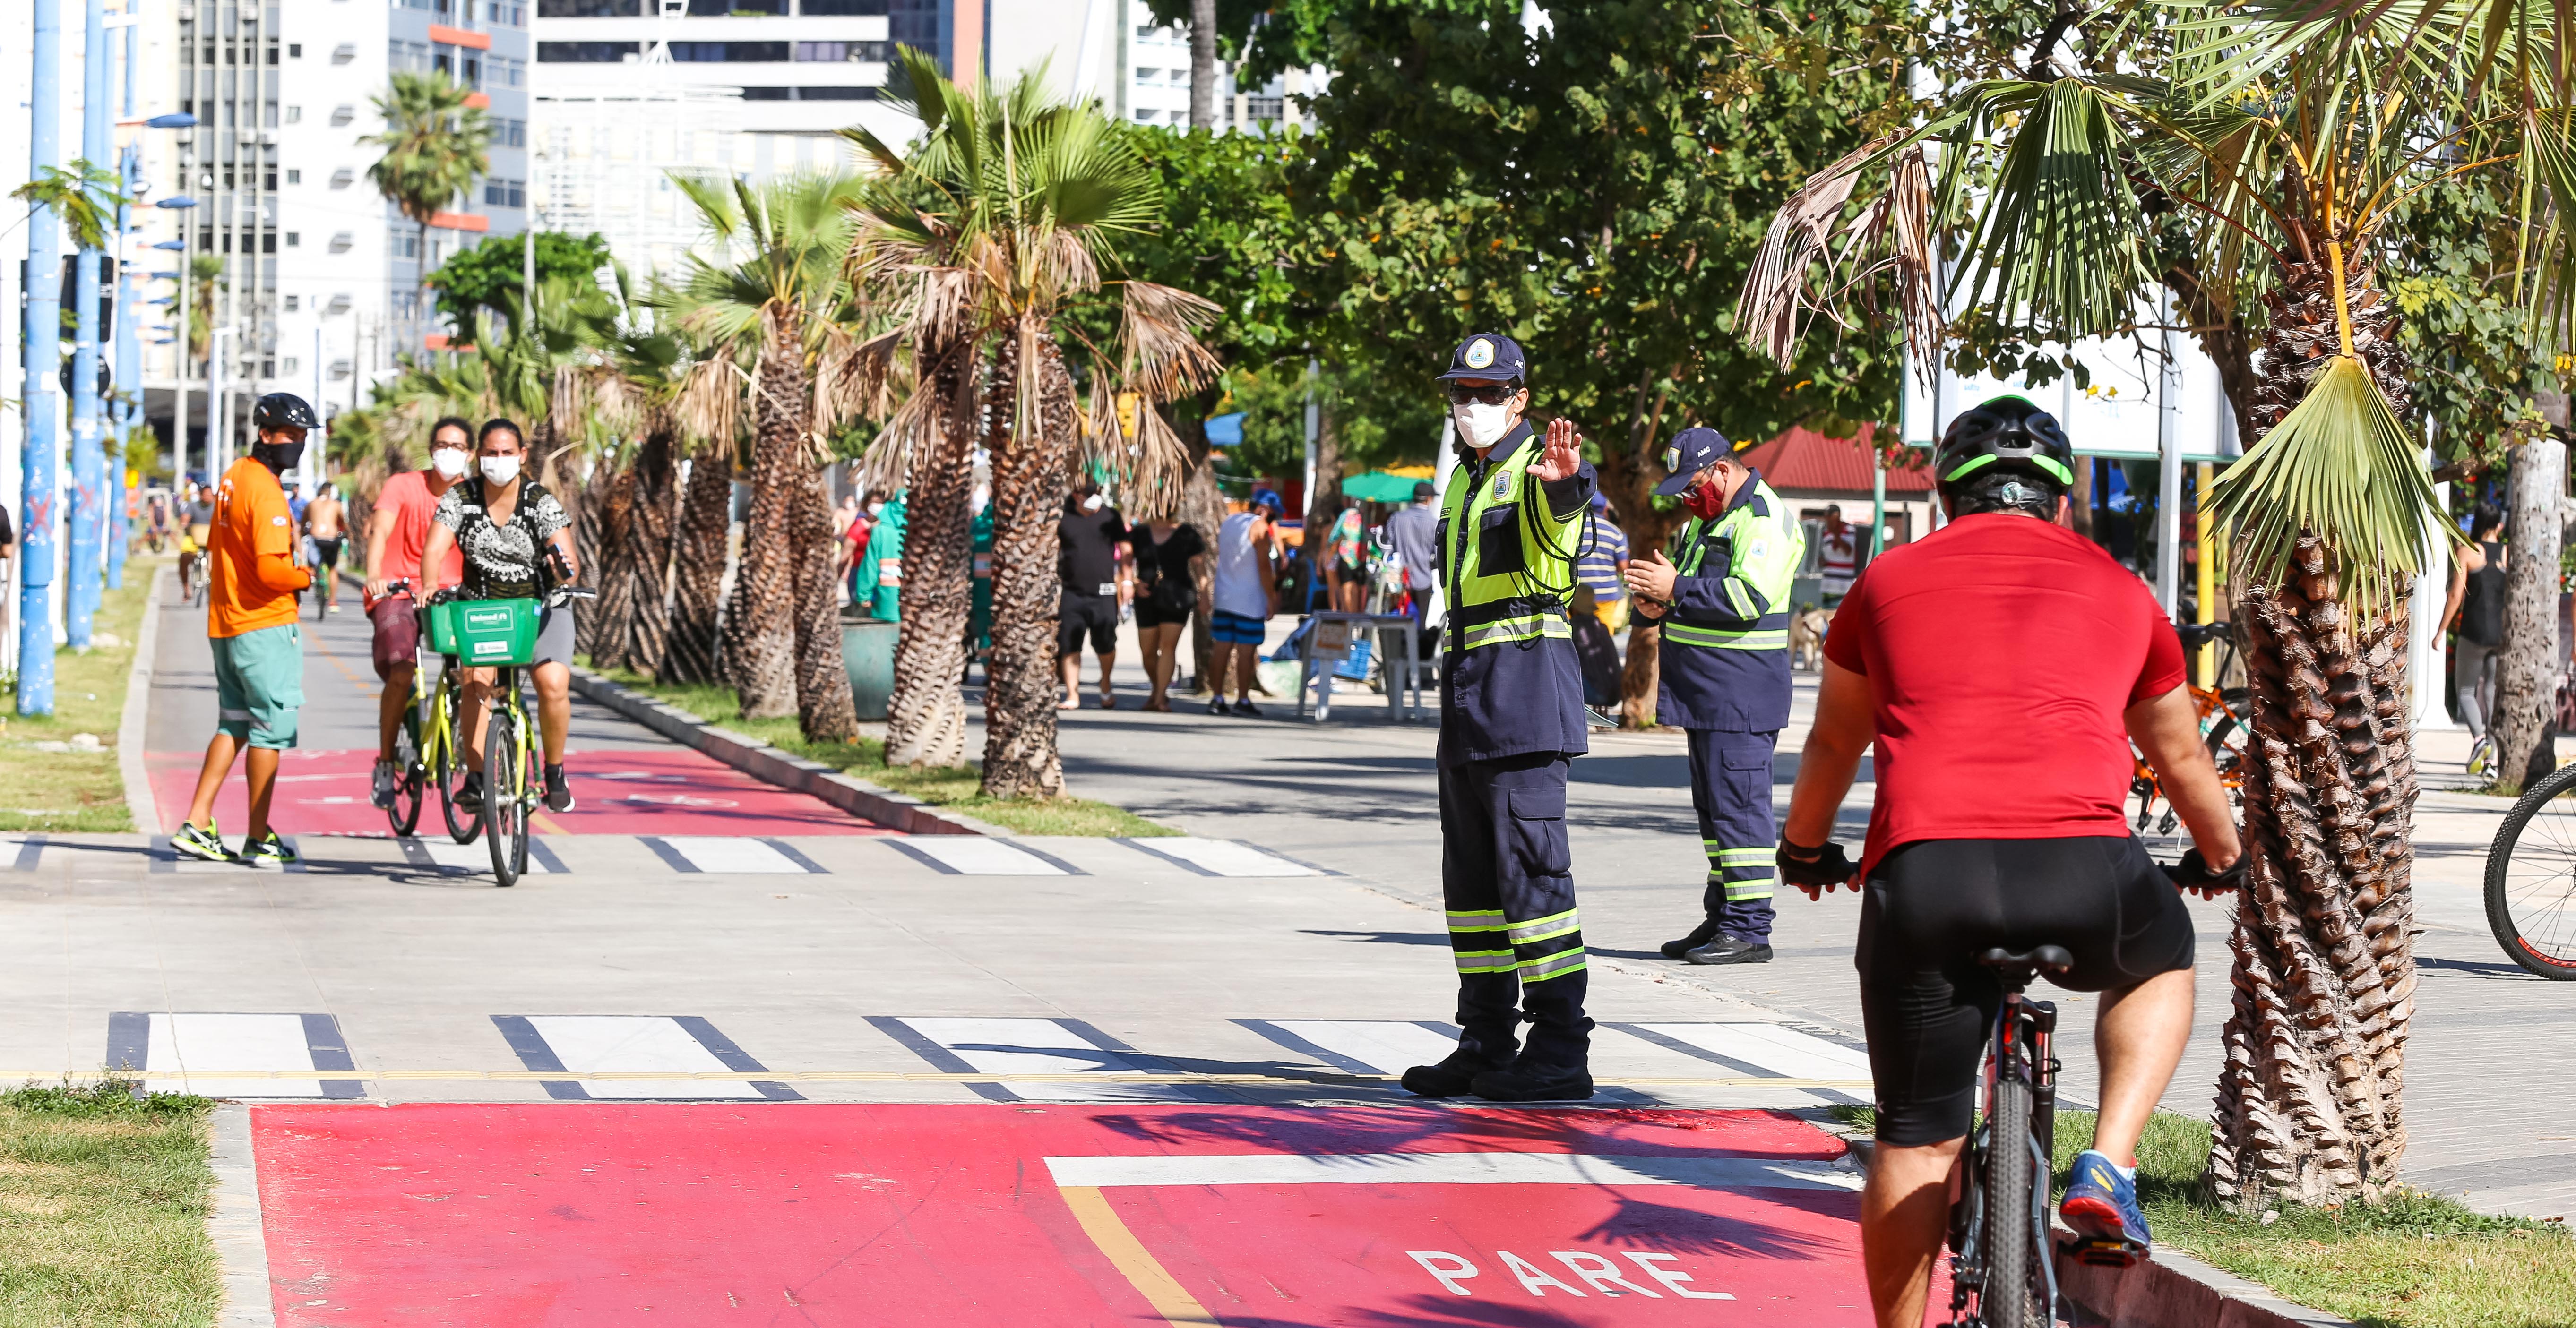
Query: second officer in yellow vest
{"x": 1723, "y": 599}
{"x": 1511, "y": 696}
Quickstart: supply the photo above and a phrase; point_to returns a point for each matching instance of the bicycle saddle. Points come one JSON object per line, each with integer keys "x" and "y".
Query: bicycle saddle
{"x": 2017, "y": 970}
{"x": 2196, "y": 635}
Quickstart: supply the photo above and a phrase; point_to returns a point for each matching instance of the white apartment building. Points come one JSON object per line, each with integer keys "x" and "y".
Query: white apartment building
{"x": 1114, "y": 52}
{"x": 319, "y": 285}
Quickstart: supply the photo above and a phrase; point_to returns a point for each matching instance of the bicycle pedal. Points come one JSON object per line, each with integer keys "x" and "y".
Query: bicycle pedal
{"x": 2105, "y": 1252}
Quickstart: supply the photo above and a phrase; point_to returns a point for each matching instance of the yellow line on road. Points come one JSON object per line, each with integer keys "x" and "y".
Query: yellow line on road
{"x": 1129, "y": 1256}
{"x": 861, "y": 1077}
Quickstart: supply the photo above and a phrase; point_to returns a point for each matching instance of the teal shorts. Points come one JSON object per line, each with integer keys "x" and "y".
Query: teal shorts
{"x": 259, "y": 685}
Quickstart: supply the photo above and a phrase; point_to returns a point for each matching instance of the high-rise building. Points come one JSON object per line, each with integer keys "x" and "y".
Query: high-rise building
{"x": 318, "y": 281}
{"x": 1114, "y": 52}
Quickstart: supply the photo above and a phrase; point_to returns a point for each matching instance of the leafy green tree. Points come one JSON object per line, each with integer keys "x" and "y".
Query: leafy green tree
{"x": 1597, "y": 190}
{"x": 477, "y": 278}
{"x": 84, "y": 196}
{"x": 435, "y": 148}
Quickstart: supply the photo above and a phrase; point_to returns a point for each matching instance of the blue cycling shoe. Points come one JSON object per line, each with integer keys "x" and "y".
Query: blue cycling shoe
{"x": 2101, "y": 1204}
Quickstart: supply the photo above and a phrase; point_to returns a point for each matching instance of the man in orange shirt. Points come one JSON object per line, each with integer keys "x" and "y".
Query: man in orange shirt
{"x": 251, "y": 612}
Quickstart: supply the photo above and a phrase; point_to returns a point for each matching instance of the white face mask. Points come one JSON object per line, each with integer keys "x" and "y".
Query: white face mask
{"x": 1092, "y": 503}
{"x": 1480, "y": 424}
{"x": 448, "y": 461}
{"x": 500, "y": 470}
{"x": 874, "y": 508}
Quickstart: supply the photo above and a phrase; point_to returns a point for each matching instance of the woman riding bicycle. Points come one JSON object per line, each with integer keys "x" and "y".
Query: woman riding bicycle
{"x": 1988, "y": 833}
{"x": 508, "y": 526}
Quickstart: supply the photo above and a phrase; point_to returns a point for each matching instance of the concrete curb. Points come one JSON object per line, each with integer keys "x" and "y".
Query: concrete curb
{"x": 763, "y": 762}
{"x": 130, "y": 766}
{"x": 232, "y": 1221}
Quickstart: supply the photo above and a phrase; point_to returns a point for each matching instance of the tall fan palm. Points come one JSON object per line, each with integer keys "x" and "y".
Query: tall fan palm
{"x": 2252, "y": 158}
{"x": 986, "y": 243}
{"x": 771, "y": 284}
{"x": 436, "y": 147}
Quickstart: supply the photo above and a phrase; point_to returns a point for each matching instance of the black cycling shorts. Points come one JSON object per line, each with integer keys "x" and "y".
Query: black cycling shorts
{"x": 1930, "y": 907}
{"x": 1094, "y": 616}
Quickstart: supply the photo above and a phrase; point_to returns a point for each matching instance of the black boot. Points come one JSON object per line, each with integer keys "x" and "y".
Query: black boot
{"x": 1728, "y": 950}
{"x": 1453, "y": 1076}
{"x": 1527, "y": 1081}
{"x": 1698, "y": 937}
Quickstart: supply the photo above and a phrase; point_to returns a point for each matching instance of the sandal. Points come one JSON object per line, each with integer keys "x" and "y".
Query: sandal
{"x": 1108, "y": 700}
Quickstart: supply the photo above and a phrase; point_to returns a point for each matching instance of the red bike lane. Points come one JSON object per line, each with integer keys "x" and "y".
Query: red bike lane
{"x": 1023, "y": 1214}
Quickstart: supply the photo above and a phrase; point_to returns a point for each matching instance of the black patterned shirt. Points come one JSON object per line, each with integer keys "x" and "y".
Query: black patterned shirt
{"x": 501, "y": 559}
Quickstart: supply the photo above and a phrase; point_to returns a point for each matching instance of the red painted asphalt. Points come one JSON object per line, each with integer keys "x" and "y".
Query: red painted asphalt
{"x": 619, "y": 791}
{"x": 582, "y": 1214}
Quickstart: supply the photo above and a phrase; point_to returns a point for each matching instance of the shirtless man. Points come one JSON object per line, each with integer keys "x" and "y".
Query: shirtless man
{"x": 322, "y": 523}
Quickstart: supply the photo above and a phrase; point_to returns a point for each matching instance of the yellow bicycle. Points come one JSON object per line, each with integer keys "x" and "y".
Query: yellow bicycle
{"x": 513, "y": 780}
{"x": 426, "y": 751}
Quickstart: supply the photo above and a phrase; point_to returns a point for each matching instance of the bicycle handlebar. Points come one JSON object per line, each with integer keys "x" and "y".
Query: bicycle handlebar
{"x": 2196, "y": 635}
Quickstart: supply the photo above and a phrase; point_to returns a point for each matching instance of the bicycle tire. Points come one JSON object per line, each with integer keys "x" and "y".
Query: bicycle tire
{"x": 462, "y": 826}
{"x": 2005, "y": 1301}
{"x": 505, "y": 816}
{"x": 2534, "y": 917}
{"x": 404, "y": 815}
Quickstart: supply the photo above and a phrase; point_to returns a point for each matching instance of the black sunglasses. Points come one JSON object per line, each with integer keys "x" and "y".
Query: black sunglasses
{"x": 1492, "y": 394}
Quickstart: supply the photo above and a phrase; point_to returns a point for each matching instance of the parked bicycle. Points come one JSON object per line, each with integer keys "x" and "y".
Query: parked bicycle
{"x": 2226, "y": 723}
{"x": 2531, "y": 879}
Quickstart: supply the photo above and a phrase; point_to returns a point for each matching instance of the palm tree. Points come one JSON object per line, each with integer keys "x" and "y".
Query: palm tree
{"x": 987, "y": 243}
{"x": 773, "y": 288}
{"x": 435, "y": 149}
{"x": 205, "y": 278}
{"x": 2252, "y": 160}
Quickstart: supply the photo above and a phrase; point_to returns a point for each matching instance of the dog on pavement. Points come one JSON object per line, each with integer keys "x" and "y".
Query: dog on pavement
{"x": 1807, "y": 638}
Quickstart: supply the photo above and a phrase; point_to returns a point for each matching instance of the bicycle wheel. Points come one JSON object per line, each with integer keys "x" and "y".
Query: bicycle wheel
{"x": 408, "y": 779}
{"x": 2011, "y": 1233}
{"x": 2531, "y": 879}
{"x": 505, "y": 814}
{"x": 462, "y": 825}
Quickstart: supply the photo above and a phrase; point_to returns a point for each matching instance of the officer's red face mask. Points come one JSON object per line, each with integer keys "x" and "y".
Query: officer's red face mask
{"x": 1705, "y": 499}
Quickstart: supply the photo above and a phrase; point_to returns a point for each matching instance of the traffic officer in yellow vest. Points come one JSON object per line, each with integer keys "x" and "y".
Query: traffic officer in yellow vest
{"x": 1512, "y": 719}
{"x": 1723, "y": 599}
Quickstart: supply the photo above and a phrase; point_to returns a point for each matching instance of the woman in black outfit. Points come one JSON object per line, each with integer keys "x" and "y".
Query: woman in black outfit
{"x": 1166, "y": 592}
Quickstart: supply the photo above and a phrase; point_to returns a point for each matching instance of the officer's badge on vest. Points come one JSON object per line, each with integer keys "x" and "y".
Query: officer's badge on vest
{"x": 1503, "y": 485}
{"x": 1480, "y": 354}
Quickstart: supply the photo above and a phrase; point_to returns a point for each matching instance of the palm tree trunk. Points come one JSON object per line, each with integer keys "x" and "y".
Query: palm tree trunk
{"x": 926, "y": 717}
{"x": 604, "y": 631}
{"x": 698, "y": 569}
{"x": 1020, "y": 759}
{"x": 648, "y": 555}
{"x": 760, "y": 623}
{"x": 1203, "y": 506}
{"x": 1203, "y": 64}
{"x": 2308, "y": 1102}
{"x": 825, "y": 711}
{"x": 2527, "y": 675}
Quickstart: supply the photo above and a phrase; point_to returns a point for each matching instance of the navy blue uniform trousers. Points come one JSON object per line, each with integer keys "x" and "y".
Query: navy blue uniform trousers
{"x": 1507, "y": 876}
{"x": 1731, "y": 791}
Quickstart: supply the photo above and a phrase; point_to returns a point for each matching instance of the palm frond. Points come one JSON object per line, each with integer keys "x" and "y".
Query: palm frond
{"x": 2061, "y": 245}
{"x": 2340, "y": 467}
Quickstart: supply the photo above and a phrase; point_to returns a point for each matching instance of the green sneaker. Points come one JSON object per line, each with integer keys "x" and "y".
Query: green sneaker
{"x": 269, "y": 851}
{"x": 206, "y": 844}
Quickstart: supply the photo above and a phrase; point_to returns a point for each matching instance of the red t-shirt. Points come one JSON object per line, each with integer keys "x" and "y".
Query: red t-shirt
{"x": 408, "y": 498}
{"x": 2001, "y": 652}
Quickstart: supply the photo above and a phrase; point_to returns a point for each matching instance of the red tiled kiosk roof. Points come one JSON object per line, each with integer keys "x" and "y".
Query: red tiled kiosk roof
{"x": 1804, "y": 459}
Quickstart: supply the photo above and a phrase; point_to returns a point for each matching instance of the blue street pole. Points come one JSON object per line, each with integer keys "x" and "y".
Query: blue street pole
{"x": 42, "y": 350}
{"x": 129, "y": 353}
{"x": 89, "y": 451}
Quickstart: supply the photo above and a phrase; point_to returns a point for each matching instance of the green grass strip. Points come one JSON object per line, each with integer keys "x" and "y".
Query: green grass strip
{"x": 77, "y": 790}
{"x": 103, "y": 1203}
{"x": 957, "y": 787}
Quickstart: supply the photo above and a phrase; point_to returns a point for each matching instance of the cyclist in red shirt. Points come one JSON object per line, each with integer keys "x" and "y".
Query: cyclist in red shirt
{"x": 2001, "y": 667}
{"x": 395, "y": 537}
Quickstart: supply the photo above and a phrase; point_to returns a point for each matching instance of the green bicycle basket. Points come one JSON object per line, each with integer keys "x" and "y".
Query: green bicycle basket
{"x": 493, "y": 631}
{"x": 441, "y": 620}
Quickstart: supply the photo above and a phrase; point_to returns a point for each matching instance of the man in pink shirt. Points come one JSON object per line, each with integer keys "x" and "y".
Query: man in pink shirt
{"x": 395, "y": 536}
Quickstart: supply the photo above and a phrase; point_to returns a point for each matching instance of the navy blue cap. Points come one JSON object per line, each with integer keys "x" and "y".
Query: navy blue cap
{"x": 1269, "y": 498}
{"x": 1487, "y": 356}
{"x": 1691, "y": 452}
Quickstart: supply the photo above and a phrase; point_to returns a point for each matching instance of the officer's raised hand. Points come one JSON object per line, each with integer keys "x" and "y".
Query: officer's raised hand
{"x": 1562, "y": 458}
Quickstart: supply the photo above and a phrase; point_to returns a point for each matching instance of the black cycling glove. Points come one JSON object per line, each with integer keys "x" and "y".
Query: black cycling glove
{"x": 1828, "y": 867}
{"x": 2193, "y": 873}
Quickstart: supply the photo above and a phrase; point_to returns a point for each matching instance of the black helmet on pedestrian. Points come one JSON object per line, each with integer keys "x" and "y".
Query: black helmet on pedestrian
{"x": 283, "y": 410}
{"x": 2006, "y": 434}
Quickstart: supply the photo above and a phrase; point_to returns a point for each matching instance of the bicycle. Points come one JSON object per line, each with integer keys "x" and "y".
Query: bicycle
{"x": 425, "y": 750}
{"x": 2531, "y": 880}
{"x": 192, "y": 573}
{"x": 513, "y": 779}
{"x": 2226, "y": 724}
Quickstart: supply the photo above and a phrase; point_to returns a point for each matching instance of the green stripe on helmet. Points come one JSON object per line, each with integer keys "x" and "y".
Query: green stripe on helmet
{"x": 1971, "y": 466}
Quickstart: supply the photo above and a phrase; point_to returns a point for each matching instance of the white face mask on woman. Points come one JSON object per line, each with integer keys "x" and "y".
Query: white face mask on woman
{"x": 1480, "y": 424}
{"x": 500, "y": 469}
{"x": 449, "y": 462}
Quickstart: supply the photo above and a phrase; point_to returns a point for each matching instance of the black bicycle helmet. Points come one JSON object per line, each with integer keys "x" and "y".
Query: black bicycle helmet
{"x": 2008, "y": 432}
{"x": 283, "y": 410}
